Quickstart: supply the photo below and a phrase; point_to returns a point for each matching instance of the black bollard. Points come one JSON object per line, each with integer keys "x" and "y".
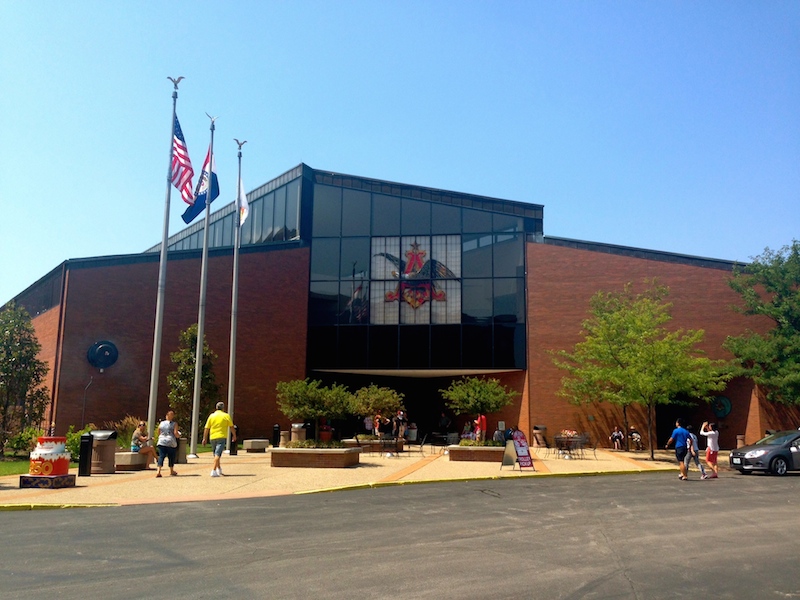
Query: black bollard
{"x": 85, "y": 456}
{"x": 276, "y": 435}
{"x": 235, "y": 445}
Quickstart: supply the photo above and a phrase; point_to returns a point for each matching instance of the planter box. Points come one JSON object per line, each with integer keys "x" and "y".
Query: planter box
{"x": 376, "y": 445}
{"x": 477, "y": 453}
{"x": 131, "y": 461}
{"x": 325, "y": 458}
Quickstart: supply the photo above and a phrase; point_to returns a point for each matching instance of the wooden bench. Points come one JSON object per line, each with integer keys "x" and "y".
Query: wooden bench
{"x": 130, "y": 461}
{"x": 255, "y": 445}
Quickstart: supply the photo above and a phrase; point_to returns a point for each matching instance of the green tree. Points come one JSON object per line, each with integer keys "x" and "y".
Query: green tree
{"x": 23, "y": 398}
{"x": 628, "y": 357}
{"x": 474, "y": 396}
{"x": 309, "y": 400}
{"x": 181, "y": 380}
{"x": 373, "y": 400}
{"x": 770, "y": 287}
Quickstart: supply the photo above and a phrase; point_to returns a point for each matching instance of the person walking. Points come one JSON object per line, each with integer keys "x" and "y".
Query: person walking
{"x": 168, "y": 435}
{"x": 679, "y": 436}
{"x": 693, "y": 453}
{"x": 216, "y": 430}
{"x": 711, "y": 433}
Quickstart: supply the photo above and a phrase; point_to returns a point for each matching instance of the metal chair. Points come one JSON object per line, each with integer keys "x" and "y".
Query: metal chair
{"x": 588, "y": 445}
{"x": 420, "y": 445}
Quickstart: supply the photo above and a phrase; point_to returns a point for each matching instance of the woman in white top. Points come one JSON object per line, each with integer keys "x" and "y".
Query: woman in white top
{"x": 168, "y": 435}
{"x": 712, "y": 445}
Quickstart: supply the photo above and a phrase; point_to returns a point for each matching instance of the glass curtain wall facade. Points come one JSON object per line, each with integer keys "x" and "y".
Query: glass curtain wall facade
{"x": 274, "y": 217}
{"x": 402, "y": 277}
{"x": 403, "y": 283}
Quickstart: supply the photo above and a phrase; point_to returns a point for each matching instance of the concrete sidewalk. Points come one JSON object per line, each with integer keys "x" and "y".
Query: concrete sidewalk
{"x": 250, "y": 475}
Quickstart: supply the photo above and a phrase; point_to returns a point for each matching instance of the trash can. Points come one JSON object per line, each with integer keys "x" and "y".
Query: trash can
{"x": 276, "y": 435}
{"x": 740, "y": 441}
{"x": 180, "y": 452}
{"x": 284, "y": 439}
{"x": 85, "y": 456}
{"x": 539, "y": 436}
{"x": 104, "y": 449}
{"x": 298, "y": 432}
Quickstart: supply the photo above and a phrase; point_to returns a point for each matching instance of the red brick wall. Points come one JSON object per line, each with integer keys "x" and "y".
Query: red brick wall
{"x": 117, "y": 303}
{"x": 46, "y": 327}
{"x": 560, "y": 283}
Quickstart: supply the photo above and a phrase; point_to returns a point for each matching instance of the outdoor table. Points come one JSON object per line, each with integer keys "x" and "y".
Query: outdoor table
{"x": 439, "y": 439}
{"x": 571, "y": 446}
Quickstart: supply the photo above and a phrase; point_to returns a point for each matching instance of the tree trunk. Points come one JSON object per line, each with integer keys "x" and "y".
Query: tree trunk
{"x": 650, "y": 430}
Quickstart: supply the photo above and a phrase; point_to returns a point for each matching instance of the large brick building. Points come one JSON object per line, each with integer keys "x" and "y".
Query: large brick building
{"x": 354, "y": 280}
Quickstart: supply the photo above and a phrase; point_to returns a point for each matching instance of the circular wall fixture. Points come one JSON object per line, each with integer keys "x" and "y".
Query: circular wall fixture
{"x": 721, "y": 407}
{"x": 102, "y": 354}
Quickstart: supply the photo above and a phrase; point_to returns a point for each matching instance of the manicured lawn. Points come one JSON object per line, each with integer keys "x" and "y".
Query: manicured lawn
{"x": 14, "y": 466}
{"x": 19, "y": 465}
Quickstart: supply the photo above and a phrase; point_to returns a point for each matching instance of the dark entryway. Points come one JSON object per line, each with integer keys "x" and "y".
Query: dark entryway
{"x": 423, "y": 401}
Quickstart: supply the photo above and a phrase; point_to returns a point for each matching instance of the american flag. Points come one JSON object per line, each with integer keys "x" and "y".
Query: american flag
{"x": 182, "y": 171}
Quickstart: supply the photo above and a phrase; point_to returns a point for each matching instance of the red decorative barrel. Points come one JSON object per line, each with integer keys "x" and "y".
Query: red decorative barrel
{"x": 50, "y": 457}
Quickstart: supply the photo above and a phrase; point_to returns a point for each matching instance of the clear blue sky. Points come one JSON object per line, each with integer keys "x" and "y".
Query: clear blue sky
{"x": 672, "y": 126}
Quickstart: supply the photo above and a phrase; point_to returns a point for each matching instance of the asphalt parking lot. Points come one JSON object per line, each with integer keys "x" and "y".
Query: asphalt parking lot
{"x": 638, "y": 535}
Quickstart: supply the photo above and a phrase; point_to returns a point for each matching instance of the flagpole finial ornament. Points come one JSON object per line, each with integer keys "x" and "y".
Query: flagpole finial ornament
{"x": 212, "y": 118}
{"x": 175, "y": 82}
{"x": 240, "y": 144}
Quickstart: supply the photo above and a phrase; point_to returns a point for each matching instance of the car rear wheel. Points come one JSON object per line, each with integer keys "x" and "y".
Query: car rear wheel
{"x": 779, "y": 466}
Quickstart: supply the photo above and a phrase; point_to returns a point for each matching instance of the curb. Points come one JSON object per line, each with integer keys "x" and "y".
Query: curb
{"x": 18, "y": 507}
{"x": 382, "y": 484}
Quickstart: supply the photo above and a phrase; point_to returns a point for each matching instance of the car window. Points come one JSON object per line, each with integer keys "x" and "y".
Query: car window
{"x": 778, "y": 438}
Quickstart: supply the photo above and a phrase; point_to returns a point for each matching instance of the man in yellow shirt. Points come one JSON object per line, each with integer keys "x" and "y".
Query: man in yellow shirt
{"x": 216, "y": 430}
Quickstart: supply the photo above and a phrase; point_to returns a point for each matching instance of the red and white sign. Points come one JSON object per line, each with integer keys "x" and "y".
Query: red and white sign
{"x": 521, "y": 446}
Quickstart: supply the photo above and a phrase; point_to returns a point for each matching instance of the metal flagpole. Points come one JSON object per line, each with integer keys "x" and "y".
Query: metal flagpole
{"x": 162, "y": 275}
{"x": 201, "y": 315}
{"x": 235, "y": 292}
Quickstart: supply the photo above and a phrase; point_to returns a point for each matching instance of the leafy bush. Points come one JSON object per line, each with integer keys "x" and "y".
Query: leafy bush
{"x": 480, "y": 443}
{"x": 25, "y": 440}
{"x": 309, "y": 400}
{"x": 374, "y": 400}
{"x": 74, "y": 440}
{"x": 124, "y": 429}
{"x": 475, "y": 396}
{"x": 314, "y": 444}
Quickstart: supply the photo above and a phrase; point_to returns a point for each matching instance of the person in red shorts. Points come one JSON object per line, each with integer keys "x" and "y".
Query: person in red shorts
{"x": 710, "y": 431}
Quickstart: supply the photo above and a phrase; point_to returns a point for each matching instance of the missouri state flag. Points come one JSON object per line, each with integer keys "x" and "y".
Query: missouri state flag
{"x": 206, "y": 191}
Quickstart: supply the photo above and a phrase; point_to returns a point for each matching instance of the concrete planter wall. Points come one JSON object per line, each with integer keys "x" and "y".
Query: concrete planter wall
{"x": 476, "y": 453}
{"x": 325, "y": 458}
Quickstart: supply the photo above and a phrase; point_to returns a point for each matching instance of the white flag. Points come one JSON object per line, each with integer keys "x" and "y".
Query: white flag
{"x": 241, "y": 203}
